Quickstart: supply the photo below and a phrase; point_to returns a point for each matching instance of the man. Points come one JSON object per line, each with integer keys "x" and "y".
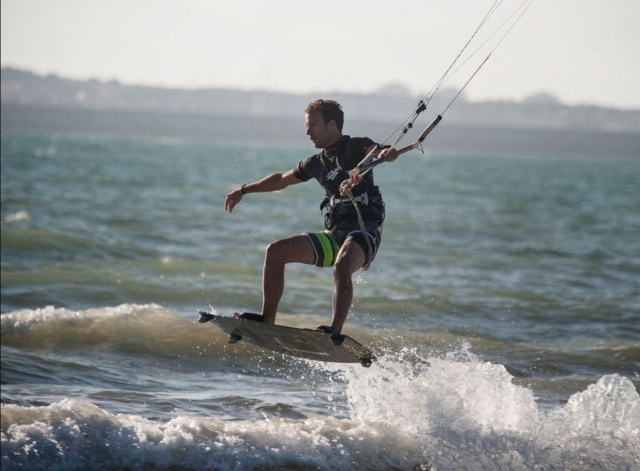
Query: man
{"x": 342, "y": 245}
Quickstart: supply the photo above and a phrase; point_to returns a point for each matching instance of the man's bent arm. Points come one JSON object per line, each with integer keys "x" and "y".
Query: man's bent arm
{"x": 273, "y": 182}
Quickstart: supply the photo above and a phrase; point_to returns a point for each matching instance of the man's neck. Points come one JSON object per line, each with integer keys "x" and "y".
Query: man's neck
{"x": 334, "y": 146}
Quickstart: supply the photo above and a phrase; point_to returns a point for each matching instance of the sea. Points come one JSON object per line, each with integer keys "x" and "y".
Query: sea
{"x": 503, "y": 308}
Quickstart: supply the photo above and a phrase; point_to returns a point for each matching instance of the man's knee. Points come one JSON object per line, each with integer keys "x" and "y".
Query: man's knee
{"x": 275, "y": 250}
{"x": 342, "y": 268}
{"x": 347, "y": 263}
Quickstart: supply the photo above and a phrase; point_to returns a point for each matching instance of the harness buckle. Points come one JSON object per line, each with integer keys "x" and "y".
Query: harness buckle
{"x": 363, "y": 198}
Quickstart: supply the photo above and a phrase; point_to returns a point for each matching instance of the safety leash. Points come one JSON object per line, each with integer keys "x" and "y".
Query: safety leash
{"x": 363, "y": 228}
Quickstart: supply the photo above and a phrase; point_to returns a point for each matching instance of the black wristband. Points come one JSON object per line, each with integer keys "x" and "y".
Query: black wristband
{"x": 242, "y": 189}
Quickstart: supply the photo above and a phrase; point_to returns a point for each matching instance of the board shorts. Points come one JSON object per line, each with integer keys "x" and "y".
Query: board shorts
{"x": 327, "y": 244}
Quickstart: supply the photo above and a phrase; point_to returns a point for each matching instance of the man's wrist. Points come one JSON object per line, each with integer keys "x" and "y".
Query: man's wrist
{"x": 242, "y": 190}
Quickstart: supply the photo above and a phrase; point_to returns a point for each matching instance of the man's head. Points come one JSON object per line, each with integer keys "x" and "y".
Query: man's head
{"x": 324, "y": 120}
{"x": 329, "y": 109}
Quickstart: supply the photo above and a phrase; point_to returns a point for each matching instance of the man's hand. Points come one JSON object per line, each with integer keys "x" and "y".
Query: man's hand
{"x": 349, "y": 183}
{"x": 388, "y": 154}
{"x": 232, "y": 199}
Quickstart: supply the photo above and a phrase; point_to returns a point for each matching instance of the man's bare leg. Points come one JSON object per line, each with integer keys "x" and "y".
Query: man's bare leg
{"x": 350, "y": 259}
{"x": 292, "y": 249}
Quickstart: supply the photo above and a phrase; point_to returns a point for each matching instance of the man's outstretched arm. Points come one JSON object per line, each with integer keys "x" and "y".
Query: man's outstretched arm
{"x": 273, "y": 182}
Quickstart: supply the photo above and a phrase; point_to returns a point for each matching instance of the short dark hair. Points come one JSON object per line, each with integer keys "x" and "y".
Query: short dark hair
{"x": 329, "y": 109}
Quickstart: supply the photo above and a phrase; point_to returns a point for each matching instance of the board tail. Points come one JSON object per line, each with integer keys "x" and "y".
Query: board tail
{"x": 205, "y": 316}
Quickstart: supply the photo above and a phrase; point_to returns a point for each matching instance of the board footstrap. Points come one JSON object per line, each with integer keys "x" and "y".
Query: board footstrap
{"x": 336, "y": 338}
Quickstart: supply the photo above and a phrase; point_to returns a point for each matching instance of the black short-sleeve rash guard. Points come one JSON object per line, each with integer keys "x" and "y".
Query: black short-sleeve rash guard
{"x": 331, "y": 166}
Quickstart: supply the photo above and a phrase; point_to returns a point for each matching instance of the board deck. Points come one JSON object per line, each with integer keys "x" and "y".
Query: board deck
{"x": 301, "y": 343}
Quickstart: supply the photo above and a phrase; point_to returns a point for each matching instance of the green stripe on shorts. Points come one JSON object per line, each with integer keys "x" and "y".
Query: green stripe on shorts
{"x": 326, "y": 247}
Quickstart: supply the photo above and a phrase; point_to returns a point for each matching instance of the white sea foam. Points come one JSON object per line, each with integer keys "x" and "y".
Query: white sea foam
{"x": 19, "y": 216}
{"x": 439, "y": 414}
{"x": 49, "y": 151}
{"x": 74, "y": 435}
{"x": 468, "y": 414}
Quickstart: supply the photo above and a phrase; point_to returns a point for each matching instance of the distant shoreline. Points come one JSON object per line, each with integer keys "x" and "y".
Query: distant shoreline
{"x": 446, "y": 138}
{"x": 540, "y": 112}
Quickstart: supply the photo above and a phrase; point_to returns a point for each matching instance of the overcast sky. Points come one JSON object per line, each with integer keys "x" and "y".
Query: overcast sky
{"x": 582, "y": 51}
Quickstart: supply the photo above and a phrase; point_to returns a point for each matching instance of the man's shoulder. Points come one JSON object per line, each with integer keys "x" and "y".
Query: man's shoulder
{"x": 355, "y": 150}
{"x": 359, "y": 142}
{"x": 361, "y": 139}
{"x": 307, "y": 168}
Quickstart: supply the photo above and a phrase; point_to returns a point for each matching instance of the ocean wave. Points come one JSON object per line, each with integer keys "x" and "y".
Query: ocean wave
{"x": 469, "y": 414}
{"x": 431, "y": 421}
{"x": 127, "y": 328}
{"x": 417, "y": 407}
{"x": 155, "y": 330}
{"x": 51, "y": 328}
{"x": 76, "y": 435}
{"x": 26, "y": 319}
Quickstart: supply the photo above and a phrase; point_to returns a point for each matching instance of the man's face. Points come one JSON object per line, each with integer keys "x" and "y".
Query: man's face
{"x": 322, "y": 135}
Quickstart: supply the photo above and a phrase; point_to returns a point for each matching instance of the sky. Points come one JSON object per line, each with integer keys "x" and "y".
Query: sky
{"x": 584, "y": 52}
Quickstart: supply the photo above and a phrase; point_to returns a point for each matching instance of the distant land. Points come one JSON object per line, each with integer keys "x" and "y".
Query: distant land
{"x": 36, "y": 103}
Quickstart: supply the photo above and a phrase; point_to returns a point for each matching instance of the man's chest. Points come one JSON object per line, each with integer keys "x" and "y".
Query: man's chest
{"x": 331, "y": 172}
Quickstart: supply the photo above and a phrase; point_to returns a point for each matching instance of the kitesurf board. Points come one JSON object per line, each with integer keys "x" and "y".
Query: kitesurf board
{"x": 301, "y": 343}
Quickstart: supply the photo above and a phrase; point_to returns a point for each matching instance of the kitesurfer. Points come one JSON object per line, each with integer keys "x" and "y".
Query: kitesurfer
{"x": 343, "y": 244}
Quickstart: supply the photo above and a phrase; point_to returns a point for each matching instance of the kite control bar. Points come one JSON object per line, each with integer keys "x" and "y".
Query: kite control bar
{"x": 355, "y": 175}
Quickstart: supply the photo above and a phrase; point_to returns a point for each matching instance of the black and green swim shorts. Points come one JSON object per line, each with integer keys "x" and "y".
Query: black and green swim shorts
{"x": 327, "y": 244}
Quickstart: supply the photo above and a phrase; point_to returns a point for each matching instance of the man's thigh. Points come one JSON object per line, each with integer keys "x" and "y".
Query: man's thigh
{"x": 296, "y": 248}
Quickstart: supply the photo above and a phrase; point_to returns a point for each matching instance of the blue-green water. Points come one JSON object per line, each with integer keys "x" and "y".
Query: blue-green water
{"x": 504, "y": 306}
